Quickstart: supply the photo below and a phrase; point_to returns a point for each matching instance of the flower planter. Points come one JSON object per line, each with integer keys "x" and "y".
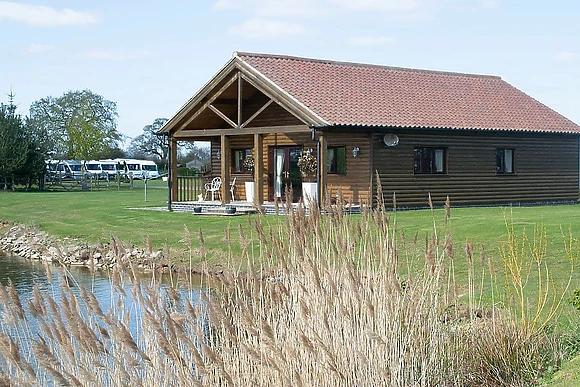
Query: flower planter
{"x": 249, "y": 191}
{"x": 309, "y": 192}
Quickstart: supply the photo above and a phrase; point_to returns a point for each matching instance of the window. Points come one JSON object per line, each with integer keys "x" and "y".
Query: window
{"x": 430, "y": 160}
{"x": 238, "y": 159}
{"x": 504, "y": 160}
{"x": 336, "y": 160}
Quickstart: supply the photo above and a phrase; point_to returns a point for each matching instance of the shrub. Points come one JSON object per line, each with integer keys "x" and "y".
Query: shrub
{"x": 575, "y": 299}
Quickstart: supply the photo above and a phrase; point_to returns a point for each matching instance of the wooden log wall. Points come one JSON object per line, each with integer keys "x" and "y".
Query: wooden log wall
{"x": 354, "y": 186}
{"x": 546, "y": 168}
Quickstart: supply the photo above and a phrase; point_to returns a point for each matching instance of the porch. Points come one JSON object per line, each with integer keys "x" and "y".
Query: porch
{"x": 245, "y": 117}
{"x": 235, "y": 208}
{"x": 193, "y": 196}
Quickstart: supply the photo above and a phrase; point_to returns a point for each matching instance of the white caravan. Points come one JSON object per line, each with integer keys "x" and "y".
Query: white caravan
{"x": 95, "y": 169}
{"x": 140, "y": 169}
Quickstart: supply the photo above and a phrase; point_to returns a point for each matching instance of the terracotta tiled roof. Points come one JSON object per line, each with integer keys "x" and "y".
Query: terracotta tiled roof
{"x": 369, "y": 95}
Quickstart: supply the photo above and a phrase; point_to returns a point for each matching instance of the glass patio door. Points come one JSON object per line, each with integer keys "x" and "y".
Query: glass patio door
{"x": 285, "y": 173}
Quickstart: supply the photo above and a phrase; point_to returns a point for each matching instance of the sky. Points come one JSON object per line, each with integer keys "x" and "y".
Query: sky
{"x": 151, "y": 56}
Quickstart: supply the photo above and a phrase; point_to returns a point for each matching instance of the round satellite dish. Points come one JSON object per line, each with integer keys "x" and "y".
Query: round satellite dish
{"x": 391, "y": 139}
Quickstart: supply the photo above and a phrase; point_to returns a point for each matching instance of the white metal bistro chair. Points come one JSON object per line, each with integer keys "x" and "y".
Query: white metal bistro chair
{"x": 232, "y": 188}
{"x": 213, "y": 187}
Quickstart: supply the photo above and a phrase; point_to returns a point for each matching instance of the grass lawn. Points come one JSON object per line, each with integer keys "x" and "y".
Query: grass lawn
{"x": 569, "y": 375}
{"x": 95, "y": 215}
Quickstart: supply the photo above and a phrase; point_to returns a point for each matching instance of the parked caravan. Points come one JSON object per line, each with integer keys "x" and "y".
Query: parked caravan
{"x": 109, "y": 167}
{"x": 134, "y": 168}
{"x": 149, "y": 169}
{"x": 64, "y": 169}
{"x": 57, "y": 169}
{"x": 75, "y": 168}
{"x": 140, "y": 169}
{"x": 95, "y": 169}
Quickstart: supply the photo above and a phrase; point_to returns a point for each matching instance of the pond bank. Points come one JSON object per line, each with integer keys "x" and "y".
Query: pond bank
{"x": 33, "y": 244}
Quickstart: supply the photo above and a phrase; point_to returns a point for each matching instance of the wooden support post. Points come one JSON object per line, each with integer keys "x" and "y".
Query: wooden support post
{"x": 239, "y": 100}
{"x": 258, "y": 168}
{"x": 173, "y": 168}
{"x": 225, "y": 169}
{"x": 322, "y": 159}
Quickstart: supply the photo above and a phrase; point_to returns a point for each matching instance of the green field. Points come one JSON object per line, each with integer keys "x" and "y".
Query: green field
{"x": 93, "y": 216}
{"x": 96, "y": 214}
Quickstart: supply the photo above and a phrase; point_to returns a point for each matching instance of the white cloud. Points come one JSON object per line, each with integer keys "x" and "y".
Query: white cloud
{"x": 290, "y": 8}
{"x": 266, "y": 29}
{"x": 369, "y": 40}
{"x": 38, "y": 15}
{"x": 378, "y": 5}
{"x": 226, "y": 5}
{"x": 38, "y": 48}
{"x": 568, "y": 57}
{"x": 115, "y": 55}
{"x": 490, "y": 3}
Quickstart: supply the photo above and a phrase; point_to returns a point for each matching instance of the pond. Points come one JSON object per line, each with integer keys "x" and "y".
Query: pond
{"x": 59, "y": 321}
{"x": 26, "y": 275}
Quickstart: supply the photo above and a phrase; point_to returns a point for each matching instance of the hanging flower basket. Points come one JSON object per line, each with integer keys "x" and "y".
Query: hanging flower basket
{"x": 248, "y": 164}
{"x": 307, "y": 164}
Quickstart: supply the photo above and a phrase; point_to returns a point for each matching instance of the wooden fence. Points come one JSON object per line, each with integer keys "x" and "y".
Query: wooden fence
{"x": 189, "y": 187}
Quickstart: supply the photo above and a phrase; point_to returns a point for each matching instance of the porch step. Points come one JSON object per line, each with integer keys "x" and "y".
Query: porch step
{"x": 241, "y": 208}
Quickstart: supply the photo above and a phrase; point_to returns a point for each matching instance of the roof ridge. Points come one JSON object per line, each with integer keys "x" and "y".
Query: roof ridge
{"x": 358, "y": 64}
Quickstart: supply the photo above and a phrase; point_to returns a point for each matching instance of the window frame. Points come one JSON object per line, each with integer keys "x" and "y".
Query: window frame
{"x": 332, "y": 167}
{"x": 429, "y": 160}
{"x": 245, "y": 152}
{"x": 500, "y": 161}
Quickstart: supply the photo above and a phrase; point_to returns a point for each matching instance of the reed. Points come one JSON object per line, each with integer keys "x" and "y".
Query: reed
{"x": 326, "y": 300}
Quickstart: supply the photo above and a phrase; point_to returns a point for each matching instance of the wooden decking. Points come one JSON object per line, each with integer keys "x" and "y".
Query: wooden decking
{"x": 238, "y": 208}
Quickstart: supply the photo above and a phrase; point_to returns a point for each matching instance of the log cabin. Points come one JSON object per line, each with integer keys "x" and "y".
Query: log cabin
{"x": 474, "y": 138}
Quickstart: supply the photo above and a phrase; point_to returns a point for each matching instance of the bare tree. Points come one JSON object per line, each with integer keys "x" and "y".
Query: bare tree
{"x": 149, "y": 144}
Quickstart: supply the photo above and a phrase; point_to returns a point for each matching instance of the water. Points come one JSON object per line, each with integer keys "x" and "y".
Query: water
{"x": 116, "y": 299}
{"x": 26, "y": 274}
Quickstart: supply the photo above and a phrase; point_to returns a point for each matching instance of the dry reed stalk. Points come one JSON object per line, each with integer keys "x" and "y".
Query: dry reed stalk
{"x": 322, "y": 304}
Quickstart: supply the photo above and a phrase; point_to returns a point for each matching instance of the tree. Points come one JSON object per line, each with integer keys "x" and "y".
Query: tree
{"x": 22, "y": 149}
{"x": 191, "y": 151}
{"x": 36, "y": 155}
{"x": 79, "y": 124}
{"x": 13, "y": 141}
{"x": 148, "y": 144}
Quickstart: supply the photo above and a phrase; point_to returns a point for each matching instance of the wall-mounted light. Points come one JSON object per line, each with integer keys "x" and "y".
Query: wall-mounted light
{"x": 355, "y": 151}
{"x": 219, "y": 154}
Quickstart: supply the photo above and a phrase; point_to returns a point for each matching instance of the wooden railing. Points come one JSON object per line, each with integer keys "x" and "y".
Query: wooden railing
{"x": 189, "y": 187}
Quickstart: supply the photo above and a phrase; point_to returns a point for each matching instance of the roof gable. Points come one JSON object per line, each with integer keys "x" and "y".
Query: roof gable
{"x": 216, "y": 105}
{"x": 341, "y": 93}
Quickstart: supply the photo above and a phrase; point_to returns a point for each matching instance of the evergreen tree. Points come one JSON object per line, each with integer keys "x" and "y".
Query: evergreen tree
{"x": 13, "y": 142}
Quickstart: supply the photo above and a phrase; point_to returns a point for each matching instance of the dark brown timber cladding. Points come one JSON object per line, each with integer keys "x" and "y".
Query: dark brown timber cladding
{"x": 546, "y": 168}
{"x": 355, "y": 185}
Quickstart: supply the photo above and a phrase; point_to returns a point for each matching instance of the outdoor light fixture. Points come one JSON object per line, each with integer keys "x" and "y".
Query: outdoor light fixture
{"x": 219, "y": 154}
{"x": 355, "y": 151}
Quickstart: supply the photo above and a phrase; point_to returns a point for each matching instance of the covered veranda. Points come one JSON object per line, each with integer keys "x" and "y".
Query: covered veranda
{"x": 239, "y": 109}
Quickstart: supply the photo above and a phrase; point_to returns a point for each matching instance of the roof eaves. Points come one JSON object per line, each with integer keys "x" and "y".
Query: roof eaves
{"x": 337, "y": 126}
